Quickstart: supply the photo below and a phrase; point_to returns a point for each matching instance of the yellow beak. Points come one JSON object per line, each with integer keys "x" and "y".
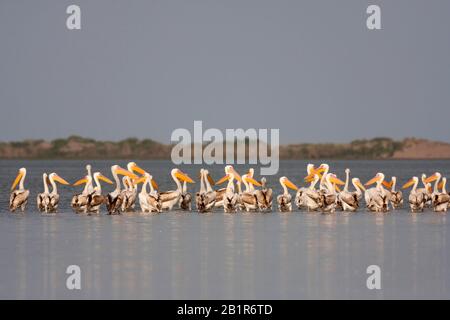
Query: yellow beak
{"x": 253, "y": 181}
{"x": 359, "y": 184}
{"x": 211, "y": 181}
{"x": 408, "y": 184}
{"x": 60, "y": 180}
{"x": 127, "y": 173}
{"x": 431, "y": 178}
{"x": 103, "y": 178}
{"x": 223, "y": 179}
{"x": 290, "y": 185}
{"x": 16, "y": 181}
{"x": 337, "y": 181}
{"x": 183, "y": 177}
{"x": 137, "y": 169}
{"x": 81, "y": 181}
{"x": 373, "y": 180}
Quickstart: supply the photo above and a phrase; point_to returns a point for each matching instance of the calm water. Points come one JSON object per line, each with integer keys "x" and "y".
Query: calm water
{"x": 249, "y": 256}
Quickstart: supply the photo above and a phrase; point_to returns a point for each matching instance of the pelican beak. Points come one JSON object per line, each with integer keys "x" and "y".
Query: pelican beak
{"x": 223, "y": 179}
{"x": 373, "y": 180}
{"x": 408, "y": 184}
{"x": 337, "y": 181}
{"x": 140, "y": 180}
{"x": 429, "y": 188}
{"x": 253, "y": 181}
{"x": 318, "y": 171}
{"x": 359, "y": 184}
{"x": 290, "y": 185}
{"x": 183, "y": 176}
{"x": 387, "y": 184}
{"x": 103, "y": 178}
{"x": 16, "y": 181}
{"x": 137, "y": 169}
{"x": 431, "y": 178}
{"x": 127, "y": 173}
{"x": 336, "y": 187}
{"x": 211, "y": 181}
{"x": 441, "y": 185}
{"x": 60, "y": 180}
{"x": 154, "y": 184}
{"x": 81, "y": 181}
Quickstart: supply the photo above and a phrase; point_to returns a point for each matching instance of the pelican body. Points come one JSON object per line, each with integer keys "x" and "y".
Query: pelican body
{"x": 284, "y": 199}
{"x": 19, "y": 197}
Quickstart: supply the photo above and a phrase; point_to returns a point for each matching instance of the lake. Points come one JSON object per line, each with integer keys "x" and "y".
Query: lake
{"x": 179, "y": 255}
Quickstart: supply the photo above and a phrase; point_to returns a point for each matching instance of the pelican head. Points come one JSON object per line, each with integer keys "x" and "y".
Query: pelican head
{"x": 379, "y": 177}
{"x": 55, "y": 177}
{"x": 413, "y": 180}
{"x": 180, "y": 175}
{"x": 433, "y": 177}
{"x": 20, "y": 175}
{"x": 133, "y": 167}
{"x": 284, "y": 181}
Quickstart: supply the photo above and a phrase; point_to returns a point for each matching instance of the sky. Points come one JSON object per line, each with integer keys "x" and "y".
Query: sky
{"x": 145, "y": 68}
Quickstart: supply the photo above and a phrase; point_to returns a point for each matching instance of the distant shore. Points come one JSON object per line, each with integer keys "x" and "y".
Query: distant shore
{"x": 75, "y": 147}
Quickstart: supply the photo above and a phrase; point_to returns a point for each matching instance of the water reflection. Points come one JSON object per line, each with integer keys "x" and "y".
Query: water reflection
{"x": 190, "y": 255}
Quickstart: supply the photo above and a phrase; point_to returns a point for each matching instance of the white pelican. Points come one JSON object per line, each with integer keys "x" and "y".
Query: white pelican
{"x": 312, "y": 196}
{"x": 264, "y": 197}
{"x": 377, "y": 198}
{"x": 300, "y": 197}
{"x": 114, "y": 199}
{"x": 185, "y": 199}
{"x": 54, "y": 196}
{"x": 439, "y": 200}
{"x": 129, "y": 194}
{"x": 206, "y": 198}
{"x": 19, "y": 197}
{"x": 396, "y": 196}
{"x": 350, "y": 200}
{"x": 416, "y": 198}
{"x": 43, "y": 199}
{"x": 248, "y": 197}
{"x": 170, "y": 198}
{"x": 230, "y": 198}
{"x": 150, "y": 202}
{"x": 328, "y": 194}
{"x": 426, "y": 190}
{"x": 284, "y": 199}
{"x": 79, "y": 201}
{"x": 221, "y": 192}
{"x": 95, "y": 199}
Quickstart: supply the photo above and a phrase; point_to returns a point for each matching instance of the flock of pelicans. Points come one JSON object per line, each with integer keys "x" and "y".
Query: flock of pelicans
{"x": 323, "y": 194}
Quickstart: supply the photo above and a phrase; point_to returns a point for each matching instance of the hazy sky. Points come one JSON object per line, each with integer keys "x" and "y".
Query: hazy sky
{"x": 144, "y": 68}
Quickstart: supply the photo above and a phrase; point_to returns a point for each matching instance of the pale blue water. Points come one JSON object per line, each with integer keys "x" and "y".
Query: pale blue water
{"x": 241, "y": 256}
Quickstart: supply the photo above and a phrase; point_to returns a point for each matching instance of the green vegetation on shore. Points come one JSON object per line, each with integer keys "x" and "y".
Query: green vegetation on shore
{"x": 75, "y": 147}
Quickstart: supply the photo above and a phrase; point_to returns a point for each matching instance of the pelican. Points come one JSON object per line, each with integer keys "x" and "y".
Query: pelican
{"x": 185, "y": 199}
{"x": 264, "y": 197}
{"x": 19, "y": 197}
{"x": 426, "y": 190}
{"x": 79, "y": 201}
{"x": 301, "y": 198}
{"x": 170, "y": 198}
{"x": 43, "y": 199}
{"x": 312, "y": 196}
{"x": 206, "y": 198}
{"x": 377, "y": 198}
{"x": 53, "y": 197}
{"x": 284, "y": 199}
{"x": 114, "y": 199}
{"x": 248, "y": 197}
{"x": 416, "y": 198}
{"x": 350, "y": 200}
{"x": 221, "y": 192}
{"x": 230, "y": 198}
{"x": 396, "y": 196}
{"x": 329, "y": 196}
{"x": 127, "y": 195}
{"x": 150, "y": 202}
{"x": 95, "y": 199}
{"x": 439, "y": 200}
